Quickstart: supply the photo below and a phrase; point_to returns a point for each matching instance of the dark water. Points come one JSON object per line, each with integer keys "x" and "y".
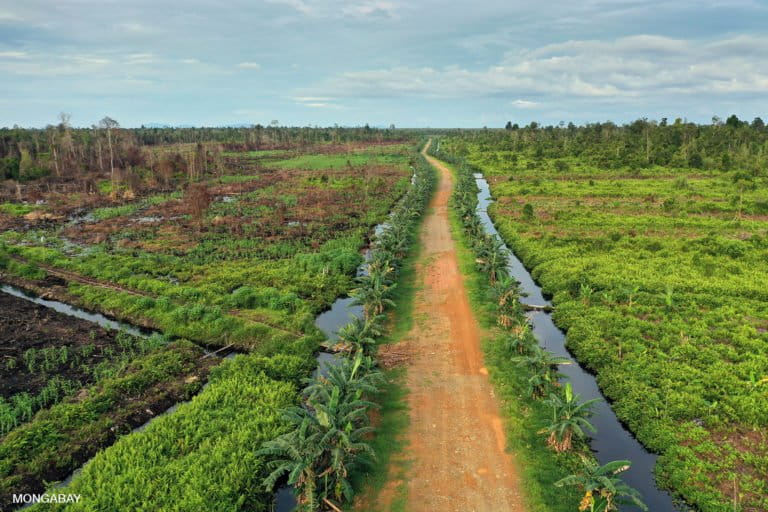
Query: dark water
{"x": 66, "y": 309}
{"x": 337, "y": 316}
{"x": 612, "y": 440}
{"x": 340, "y": 313}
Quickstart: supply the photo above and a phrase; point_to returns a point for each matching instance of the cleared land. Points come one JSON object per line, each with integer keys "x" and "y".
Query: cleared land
{"x": 244, "y": 256}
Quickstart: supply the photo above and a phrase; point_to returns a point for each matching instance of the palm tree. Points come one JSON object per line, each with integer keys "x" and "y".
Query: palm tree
{"x": 630, "y": 292}
{"x": 542, "y": 365}
{"x": 296, "y": 453}
{"x": 569, "y": 419}
{"x": 344, "y": 424}
{"x": 328, "y": 441}
{"x": 506, "y": 292}
{"x": 354, "y": 377}
{"x": 603, "y": 489}
{"x": 492, "y": 258}
{"x": 374, "y": 290}
{"x": 357, "y": 336}
{"x": 518, "y": 340}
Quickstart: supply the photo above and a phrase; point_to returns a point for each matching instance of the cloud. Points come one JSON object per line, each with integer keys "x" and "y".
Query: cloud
{"x": 304, "y": 99}
{"x": 13, "y": 55}
{"x": 315, "y": 102}
{"x": 524, "y": 104}
{"x": 248, "y": 112}
{"x": 249, "y": 65}
{"x": 141, "y": 58}
{"x": 137, "y": 28}
{"x": 299, "y": 5}
{"x": 373, "y": 9}
{"x": 639, "y": 66}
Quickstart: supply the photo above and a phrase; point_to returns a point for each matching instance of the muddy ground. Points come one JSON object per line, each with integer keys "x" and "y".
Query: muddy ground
{"x": 27, "y": 326}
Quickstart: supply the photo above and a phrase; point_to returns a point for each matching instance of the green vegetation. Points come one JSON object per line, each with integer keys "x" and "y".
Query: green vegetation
{"x": 57, "y": 440}
{"x": 603, "y": 489}
{"x": 262, "y": 259}
{"x": 221, "y": 245}
{"x": 495, "y": 297}
{"x": 329, "y": 439}
{"x": 203, "y": 453}
{"x": 16, "y": 209}
{"x": 237, "y": 259}
{"x": 652, "y": 240}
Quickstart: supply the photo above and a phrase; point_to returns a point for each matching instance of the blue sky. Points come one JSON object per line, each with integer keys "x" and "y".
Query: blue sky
{"x": 411, "y": 63}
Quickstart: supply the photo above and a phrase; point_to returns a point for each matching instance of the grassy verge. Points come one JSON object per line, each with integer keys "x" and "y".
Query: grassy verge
{"x": 393, "y": 420}
{"x": 539, "y": 467}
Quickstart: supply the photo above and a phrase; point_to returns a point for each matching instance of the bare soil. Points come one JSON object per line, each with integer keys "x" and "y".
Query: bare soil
{"x": 457, "y": 455}
{"x": 25, "y": 326}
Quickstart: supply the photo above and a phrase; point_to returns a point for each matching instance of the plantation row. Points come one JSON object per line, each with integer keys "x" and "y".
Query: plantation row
{"x": 224, "y": 446}
{"x": 330, "y": 436}
{"x": 659, "y": 278}
{"x": 545, "y": 412}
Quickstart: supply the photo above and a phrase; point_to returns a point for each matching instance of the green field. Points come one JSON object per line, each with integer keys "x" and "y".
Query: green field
{"x": 659, "y": 274}
{"x": 248, "y": 263}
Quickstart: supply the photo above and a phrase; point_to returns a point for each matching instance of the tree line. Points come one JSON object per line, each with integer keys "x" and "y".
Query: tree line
{"x": 643, "y": 143}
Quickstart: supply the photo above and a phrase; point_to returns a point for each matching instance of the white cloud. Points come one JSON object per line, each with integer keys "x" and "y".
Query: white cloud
{"x": 524, "y": 104}
{"x": 142, "y": 58}
{"x": 137, "y": 28}
{"x": 626, "y": 68}
{"x": 249, "y": 65}
{"x": 372, "y": 8}
{"x": 375, "y": 9}
{"x": 13, "y": 55}
{"x": 299, "y": 5}
{"x": 189, "y": 61}
{"x": 304, "y": 99}
{"x": 9, "y": 16}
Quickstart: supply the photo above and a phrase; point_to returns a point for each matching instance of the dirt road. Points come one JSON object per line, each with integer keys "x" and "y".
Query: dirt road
{"x": 456, "y": 439}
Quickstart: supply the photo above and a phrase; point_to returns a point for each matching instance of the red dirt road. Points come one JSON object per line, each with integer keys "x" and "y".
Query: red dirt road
{"x": 456, "y": 451}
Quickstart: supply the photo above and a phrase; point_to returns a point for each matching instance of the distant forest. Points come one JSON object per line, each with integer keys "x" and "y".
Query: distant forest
{"x": 63, "y": 152}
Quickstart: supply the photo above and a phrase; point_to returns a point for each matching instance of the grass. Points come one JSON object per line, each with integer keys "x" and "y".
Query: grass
{"x": 15, "y": 209}
{"x": 339, "y": 161}
{"x": 389, "y": 443}
{"x": 407, "y": 285}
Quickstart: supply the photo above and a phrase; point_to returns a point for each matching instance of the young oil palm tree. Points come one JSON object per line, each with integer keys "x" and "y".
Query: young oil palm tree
{"x": 357, "y": 336}
{"x": 542, "y": 365}
{"x": 518, "y": 340}
{"x": 493, "y": 258}
{"x": 603, "y": 490}
{"x": 505, "y": 292}
{"x": 374, "y": 291}
{"x": 570, "y": 419}
{"x": 353, "y": 377}
{"x": 296, "y": 453}
{"x": 344, "y": 425}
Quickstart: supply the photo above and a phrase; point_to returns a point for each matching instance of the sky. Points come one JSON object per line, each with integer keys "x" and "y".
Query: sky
{"x": 411, "y": 63}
